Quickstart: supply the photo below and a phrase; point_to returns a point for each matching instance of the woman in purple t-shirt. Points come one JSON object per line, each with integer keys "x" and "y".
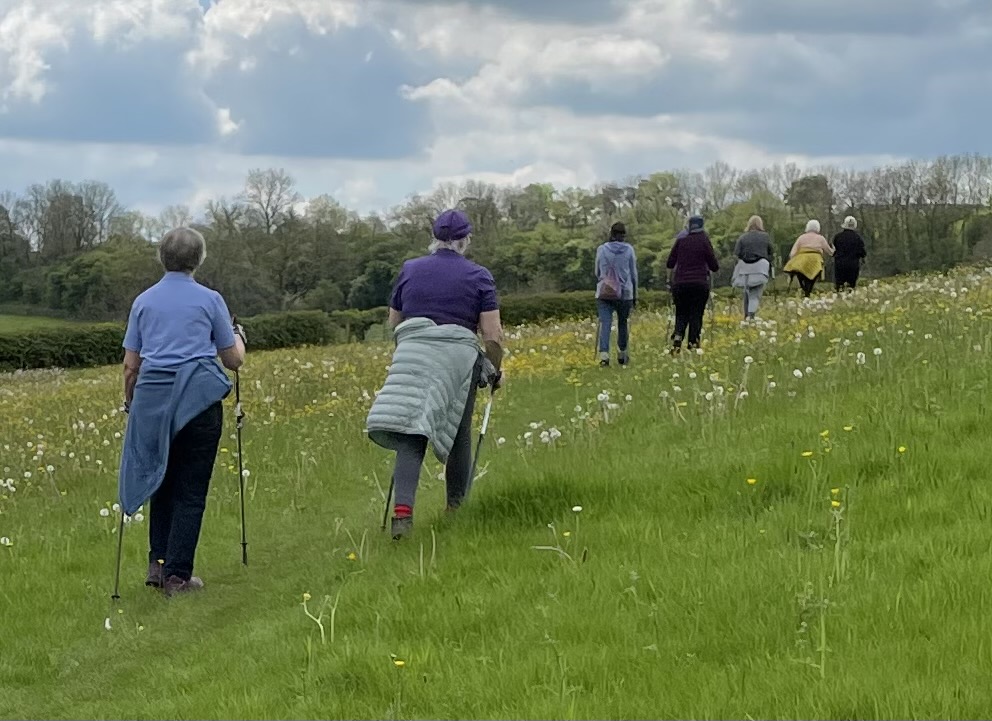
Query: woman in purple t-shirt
{"x": 450, "y": 290}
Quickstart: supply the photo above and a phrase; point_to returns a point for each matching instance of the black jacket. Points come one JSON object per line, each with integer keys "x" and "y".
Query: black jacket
{"x": 849, "y": 247}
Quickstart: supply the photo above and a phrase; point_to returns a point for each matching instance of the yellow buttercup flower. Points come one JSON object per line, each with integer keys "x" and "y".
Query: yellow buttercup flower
{"x": 835, "y": 491}
{"x": 399, "y": 663}
{"x": 902, "y": 449}
{"x": 306, "y": 597}
{"x": 835, "y": 504}
{"x": 807, "y": 454}
{"x": 752, "y": 481}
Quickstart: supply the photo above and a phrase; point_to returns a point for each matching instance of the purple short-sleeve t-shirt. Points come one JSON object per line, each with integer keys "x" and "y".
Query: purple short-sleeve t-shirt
{"x": 446, "y": 288}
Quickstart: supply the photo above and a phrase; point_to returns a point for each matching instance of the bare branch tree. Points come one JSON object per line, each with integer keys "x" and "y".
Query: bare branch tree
{"x": 270, "y": 195}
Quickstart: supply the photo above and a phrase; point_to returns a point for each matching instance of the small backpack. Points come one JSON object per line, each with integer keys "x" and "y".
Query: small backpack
{"x": 609, "y": 287}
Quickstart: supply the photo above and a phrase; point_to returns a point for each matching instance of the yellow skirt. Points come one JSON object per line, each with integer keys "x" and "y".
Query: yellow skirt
{"x": 807, "y": 262}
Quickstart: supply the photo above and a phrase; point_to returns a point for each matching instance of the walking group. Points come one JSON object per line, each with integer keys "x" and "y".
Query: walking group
{"x": 180, "y": 333}
{"x": 691, "y": 264}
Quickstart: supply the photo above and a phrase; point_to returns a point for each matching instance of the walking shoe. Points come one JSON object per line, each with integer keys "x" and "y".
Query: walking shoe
{"x": 401, "y": 526}
{"x": 154, "y": 577}
{"x": 604, "y": 364}
{"x": 623, "y": 359}
{"x": 174, "y": 585}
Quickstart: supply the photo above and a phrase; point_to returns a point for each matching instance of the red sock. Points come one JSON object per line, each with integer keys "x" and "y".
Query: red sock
{"x": 402, "y": 511}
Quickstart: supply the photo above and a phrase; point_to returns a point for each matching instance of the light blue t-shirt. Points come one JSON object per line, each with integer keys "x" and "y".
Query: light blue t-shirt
{"x": 178, "y": 320}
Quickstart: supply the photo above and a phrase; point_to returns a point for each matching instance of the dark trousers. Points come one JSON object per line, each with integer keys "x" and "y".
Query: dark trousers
{"x": 806, "y": 284}
{"x": 846, "y": 274}
{"x": 606, "y": 309}
{"x": 411, "y": 450}
{"x": 177, "y": 506}
{"x": 690, "y": 306}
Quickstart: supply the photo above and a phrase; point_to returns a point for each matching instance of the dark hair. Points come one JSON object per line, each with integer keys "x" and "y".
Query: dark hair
{"x": 618, "y": 230}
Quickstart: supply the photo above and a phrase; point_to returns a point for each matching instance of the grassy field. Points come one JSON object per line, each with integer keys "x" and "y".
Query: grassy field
{"x": 794, "y": 524}
{"x": 15, "y": 323}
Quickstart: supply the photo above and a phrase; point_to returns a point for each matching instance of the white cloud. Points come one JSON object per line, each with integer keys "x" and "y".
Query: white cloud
{"x": 225, "y": 125}
{"x": 246, "y": 19}
{"x": 507, "y": 100}
{"x": 25, "y": 38}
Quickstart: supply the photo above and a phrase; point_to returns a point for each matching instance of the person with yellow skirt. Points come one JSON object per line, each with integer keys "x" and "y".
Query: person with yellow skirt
{"x": 806, "y": 257}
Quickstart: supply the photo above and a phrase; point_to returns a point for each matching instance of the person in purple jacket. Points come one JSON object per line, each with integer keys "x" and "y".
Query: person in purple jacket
{"x": 446, "y": 288}
{"x": 690, "y": 263}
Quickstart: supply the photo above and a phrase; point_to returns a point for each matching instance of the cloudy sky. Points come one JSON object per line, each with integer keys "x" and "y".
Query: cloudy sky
{"x": 172, "y": 101}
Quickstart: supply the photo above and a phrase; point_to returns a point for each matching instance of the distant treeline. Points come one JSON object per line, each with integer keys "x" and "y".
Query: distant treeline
{"x": 74, "y": 249}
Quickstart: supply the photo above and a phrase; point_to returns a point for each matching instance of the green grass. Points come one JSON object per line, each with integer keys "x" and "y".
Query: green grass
{"x": 681, "y": 590}
{"x": 17, "y": 323}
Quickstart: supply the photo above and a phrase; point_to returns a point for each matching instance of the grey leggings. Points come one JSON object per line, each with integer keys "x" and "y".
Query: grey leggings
{"x": 752, "y": 299}
{"x": 410, "y": 452}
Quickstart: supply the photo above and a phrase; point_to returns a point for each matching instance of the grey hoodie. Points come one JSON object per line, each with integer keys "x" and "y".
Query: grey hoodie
{"x": 618, "y": 255}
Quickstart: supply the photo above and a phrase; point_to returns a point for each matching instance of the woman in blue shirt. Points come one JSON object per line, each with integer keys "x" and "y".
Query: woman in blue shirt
{"x": 173, "y": 388}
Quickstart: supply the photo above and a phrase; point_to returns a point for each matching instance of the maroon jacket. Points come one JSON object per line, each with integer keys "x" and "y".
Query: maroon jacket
{"x": 693, "y": 259}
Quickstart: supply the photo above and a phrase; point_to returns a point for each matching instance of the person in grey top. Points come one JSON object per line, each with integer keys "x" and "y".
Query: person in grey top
{"x": 616, "y": 292}
{"x": 753, "y": 251}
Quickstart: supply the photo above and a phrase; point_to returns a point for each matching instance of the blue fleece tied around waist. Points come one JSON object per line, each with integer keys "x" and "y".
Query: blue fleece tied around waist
{"x": 165, "y": 400}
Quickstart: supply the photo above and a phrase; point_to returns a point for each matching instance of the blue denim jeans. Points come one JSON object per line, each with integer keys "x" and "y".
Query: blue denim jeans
{"x": 606, "y": 309}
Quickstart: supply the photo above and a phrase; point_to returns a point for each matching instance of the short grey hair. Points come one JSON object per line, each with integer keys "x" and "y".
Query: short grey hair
{"x": 182, "y": 250}
{"x": 813, "y": 226}
{"x": 459, "y": 246}
{"x": 850, "y": 223}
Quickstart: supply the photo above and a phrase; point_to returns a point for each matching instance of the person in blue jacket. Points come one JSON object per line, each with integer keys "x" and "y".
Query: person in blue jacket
{"x": 616, "y": 293}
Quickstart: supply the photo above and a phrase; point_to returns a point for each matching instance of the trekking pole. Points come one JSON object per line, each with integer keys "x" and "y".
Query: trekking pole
{"x": 712, "y": 304}
{"x": 389, "y": 498}
{"x": 485, "y": 427}
{"x": 115, "y": 597}
{"x": 239, "y": 415}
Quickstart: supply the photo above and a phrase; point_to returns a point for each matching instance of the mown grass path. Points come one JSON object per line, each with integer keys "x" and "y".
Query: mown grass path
{"x": 778, "y": 528}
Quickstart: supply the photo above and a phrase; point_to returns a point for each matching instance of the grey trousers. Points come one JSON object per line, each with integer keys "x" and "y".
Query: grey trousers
{"x": 411, "y": 450}
{"x": 752, "y": 299}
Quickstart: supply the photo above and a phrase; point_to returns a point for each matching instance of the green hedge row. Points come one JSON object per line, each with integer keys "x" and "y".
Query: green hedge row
{"x": 522, "y": 309}
{"x": 92, "y": 344}
{"x": 86, "y": 345}
{"x": 69, "y": 347}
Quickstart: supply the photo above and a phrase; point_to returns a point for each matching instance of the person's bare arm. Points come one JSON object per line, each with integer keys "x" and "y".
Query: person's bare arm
{"x": 395, "y": 318}
{"x": 234, "y": 357}
{"x": 491, "y": 329}
{"x": 132, "y": 365}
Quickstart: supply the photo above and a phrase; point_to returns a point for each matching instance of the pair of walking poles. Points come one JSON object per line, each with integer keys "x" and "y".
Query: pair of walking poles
{"x": 239, "y": 416}
{"x": 478, "y": 449}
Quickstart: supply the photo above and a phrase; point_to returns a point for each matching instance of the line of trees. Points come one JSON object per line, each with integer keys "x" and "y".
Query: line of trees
{"x": 75, "y": 249}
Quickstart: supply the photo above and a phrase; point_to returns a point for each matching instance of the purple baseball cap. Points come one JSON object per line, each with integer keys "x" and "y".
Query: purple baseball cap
{"x": 452, "y": 225}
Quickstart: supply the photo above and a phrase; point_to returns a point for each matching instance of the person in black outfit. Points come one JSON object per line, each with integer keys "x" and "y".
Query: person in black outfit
{"x": 849, "y": 254}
